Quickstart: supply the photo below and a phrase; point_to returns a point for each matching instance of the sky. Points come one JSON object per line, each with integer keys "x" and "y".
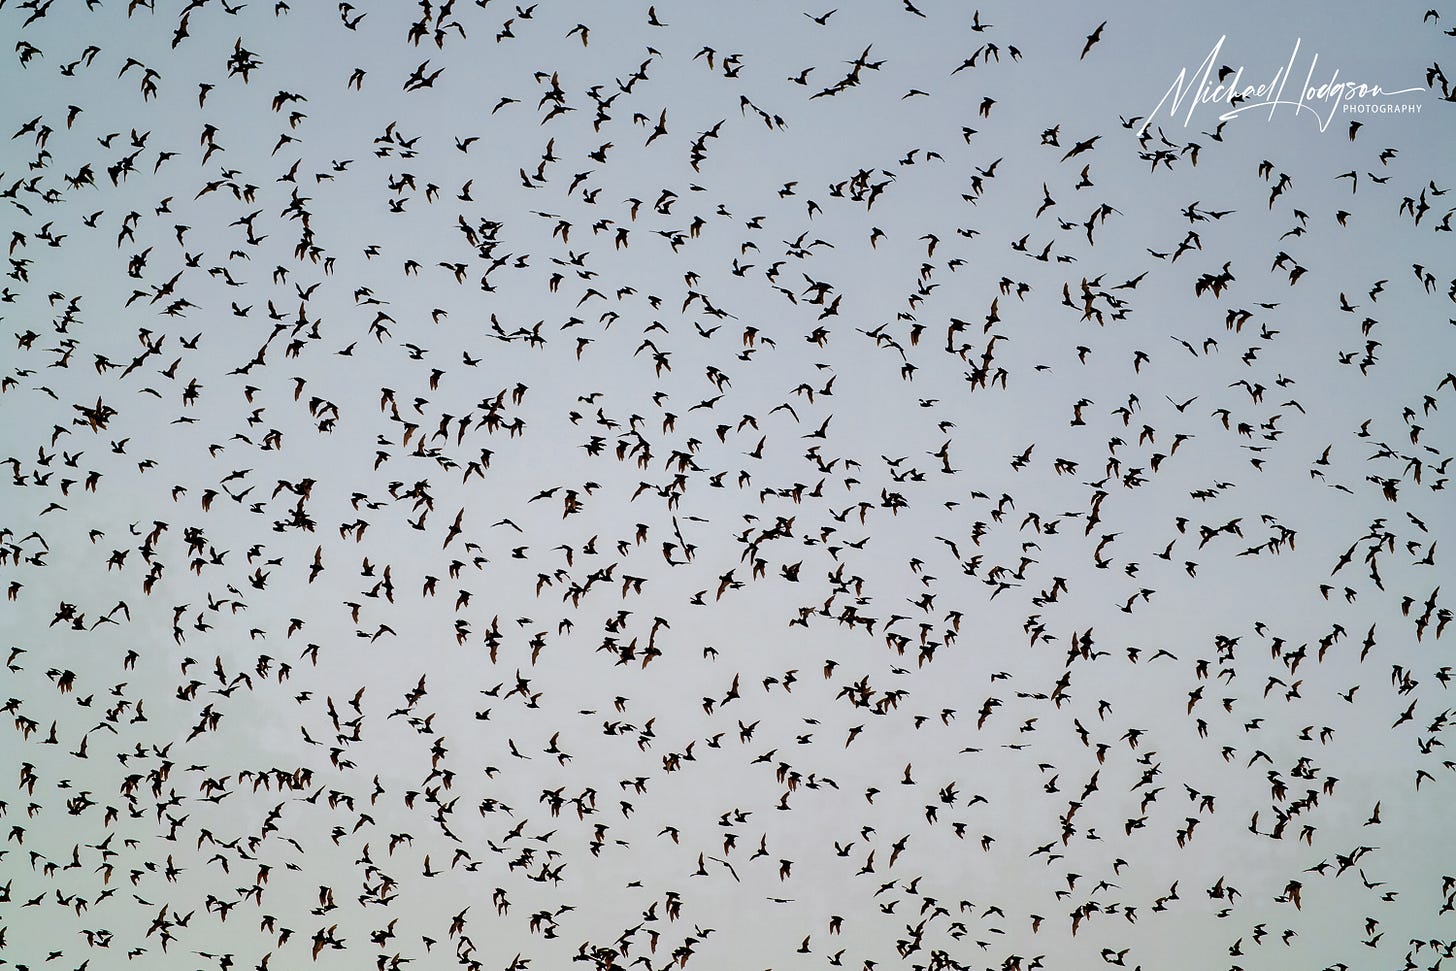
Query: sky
{"x": 755, "y": 486}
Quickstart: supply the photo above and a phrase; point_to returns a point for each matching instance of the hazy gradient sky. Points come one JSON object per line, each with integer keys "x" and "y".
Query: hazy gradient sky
{"x": 740, "y": 485}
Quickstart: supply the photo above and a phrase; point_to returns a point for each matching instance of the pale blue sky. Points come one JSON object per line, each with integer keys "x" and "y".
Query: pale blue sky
{"x": 1156, "y": 481}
